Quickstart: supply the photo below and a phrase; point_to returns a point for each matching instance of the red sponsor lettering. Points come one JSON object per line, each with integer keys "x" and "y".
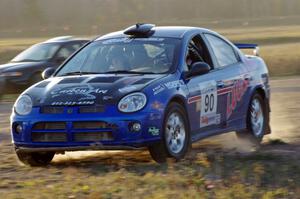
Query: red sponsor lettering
{"x": 237, "y": 92}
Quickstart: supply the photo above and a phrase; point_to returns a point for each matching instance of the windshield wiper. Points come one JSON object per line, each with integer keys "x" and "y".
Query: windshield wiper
{"x": 78, "y": 73}
{"x": 127, "y": 72}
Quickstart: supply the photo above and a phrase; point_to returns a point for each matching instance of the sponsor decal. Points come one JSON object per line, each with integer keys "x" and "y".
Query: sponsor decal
{"x": 157, "y": 106}
{"x": 168, "y": 85}
{"x": 153, "y": 130}
{"x": 154, "y": 116}
{"x": 72, "y": 103}
{"x": 128, "y": 40}
{"x": 174, "y": 84}
{"x": 193, "y": 99}
{"x": 86, "y": 91}
{"x": 224, "y": 91}
{"x": 211, "y": 119}
{"x": 237, "y": 92}
{"x": 158, "y": 89}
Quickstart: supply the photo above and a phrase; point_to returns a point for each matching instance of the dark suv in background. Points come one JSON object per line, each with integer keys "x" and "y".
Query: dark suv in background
{"x": 26, "y": 68}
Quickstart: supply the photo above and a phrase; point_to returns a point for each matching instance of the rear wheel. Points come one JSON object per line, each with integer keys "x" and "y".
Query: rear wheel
{"x": 175, "y": 140}
{"x": 256, "y": 121}
{"x": 35, "y": 158}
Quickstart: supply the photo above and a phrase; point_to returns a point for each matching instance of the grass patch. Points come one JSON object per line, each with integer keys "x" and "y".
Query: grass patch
{"x": 225, "y": 176}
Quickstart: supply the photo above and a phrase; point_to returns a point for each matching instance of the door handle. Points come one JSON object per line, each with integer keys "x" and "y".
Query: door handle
{"x": 247, "y": 77}
{"x": 220, "y": 84}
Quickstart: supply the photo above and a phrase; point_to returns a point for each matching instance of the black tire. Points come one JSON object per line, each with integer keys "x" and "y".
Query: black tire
{"x": 249, "y": 133}
{"x": 35, "y": 158}
{"x": 161, "y": 151}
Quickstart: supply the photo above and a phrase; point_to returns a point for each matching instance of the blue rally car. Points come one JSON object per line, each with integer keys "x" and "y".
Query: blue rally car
{"x": 160, "y": 88}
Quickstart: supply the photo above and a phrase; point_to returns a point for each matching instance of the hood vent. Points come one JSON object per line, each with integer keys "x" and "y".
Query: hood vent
{"x": 104, "y": 79}
{"x": 72, "y": 80}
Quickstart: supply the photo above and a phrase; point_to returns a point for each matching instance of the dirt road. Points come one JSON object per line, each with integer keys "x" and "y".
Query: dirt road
{"x": 81, "y": 170}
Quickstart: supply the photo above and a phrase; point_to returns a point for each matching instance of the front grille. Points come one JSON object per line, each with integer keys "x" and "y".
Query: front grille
{"x": 89, "y": 125}
{"x": 49, "y": 126}
{"x": 91, "y": 109}
{"x": 48, "y": 137}
{"x": 52, "y": 110}
{"x": 81, "y": 131}
{"x": 93, "y": 136}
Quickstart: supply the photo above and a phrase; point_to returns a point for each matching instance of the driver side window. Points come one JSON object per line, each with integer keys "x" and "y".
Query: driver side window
{"x": 196, "y": 52}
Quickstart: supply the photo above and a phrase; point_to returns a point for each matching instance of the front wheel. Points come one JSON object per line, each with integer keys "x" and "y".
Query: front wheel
{"x": 256, "y": 121}
{"x": 175, "y": 140}
{"x": 35, "y": 158}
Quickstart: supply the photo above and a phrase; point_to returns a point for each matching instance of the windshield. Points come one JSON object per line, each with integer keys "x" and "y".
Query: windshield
{"x": 38, "y": 52}
{"x": 124, "y": 55}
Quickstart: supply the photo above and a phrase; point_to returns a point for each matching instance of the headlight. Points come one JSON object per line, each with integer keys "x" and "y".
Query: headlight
{"x": 132, "y": 102}
{"x": 11, "y": 74}
{"x": 23, "y": 105}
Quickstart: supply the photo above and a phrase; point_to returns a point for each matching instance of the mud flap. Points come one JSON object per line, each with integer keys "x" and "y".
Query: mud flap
{"x": 268, "y": 110}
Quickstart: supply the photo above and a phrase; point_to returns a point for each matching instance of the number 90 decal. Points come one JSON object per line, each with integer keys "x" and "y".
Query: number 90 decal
{"x": 209, "y": 103}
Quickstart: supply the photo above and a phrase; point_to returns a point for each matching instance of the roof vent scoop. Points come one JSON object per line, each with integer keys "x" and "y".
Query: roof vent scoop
{"x": 140, "y": 30}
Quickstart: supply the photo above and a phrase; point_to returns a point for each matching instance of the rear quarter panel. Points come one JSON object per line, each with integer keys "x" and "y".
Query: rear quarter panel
{"x": 258, "y": 78}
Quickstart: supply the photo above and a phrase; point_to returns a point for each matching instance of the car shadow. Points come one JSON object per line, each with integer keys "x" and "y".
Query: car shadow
{"x": 104, "y": 161}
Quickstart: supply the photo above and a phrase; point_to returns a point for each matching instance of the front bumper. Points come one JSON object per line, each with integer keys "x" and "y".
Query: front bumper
{"x": 118, "y": 126}
{"x": 75, "y": 148}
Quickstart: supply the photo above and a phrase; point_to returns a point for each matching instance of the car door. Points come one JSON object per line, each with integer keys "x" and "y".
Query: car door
{"x": 214, "y": 98}
{"x": 204, "y": 104}
{"x": 232, "y": 82}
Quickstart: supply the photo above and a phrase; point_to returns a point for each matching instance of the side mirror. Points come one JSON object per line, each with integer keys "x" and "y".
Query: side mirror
{"x": 48, "y": 72}
{"x": 198, "y": 68}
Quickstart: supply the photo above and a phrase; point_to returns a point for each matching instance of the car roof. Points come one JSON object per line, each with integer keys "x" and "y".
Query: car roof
{"x": 160, "y": 31}
{"x": 64, "y": 39}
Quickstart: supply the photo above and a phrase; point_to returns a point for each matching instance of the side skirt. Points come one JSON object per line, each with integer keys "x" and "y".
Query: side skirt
{"x": 198, "y": 135}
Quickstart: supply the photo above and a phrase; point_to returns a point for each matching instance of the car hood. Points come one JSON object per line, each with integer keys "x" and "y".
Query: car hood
{"x": 17, "y": 65}
{"x": 87, "y": 89}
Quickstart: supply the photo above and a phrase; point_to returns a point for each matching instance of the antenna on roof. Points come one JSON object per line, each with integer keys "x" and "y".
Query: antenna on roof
{"x": 140, "y": 30}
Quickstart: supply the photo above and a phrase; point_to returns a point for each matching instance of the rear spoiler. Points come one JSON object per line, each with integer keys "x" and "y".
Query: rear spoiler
{"x": 255, "y": 47}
